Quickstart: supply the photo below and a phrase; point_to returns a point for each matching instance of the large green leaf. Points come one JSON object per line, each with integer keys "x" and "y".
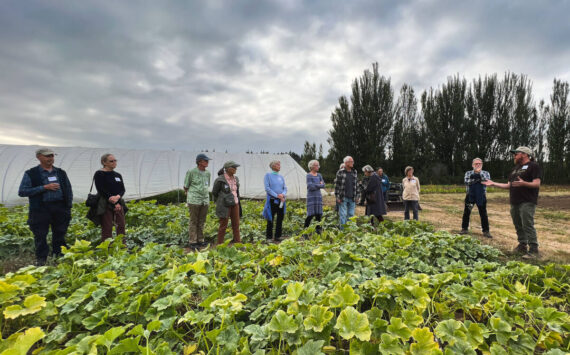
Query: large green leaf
{"x": 20, "y": 343}
{"x": 391, "y": 345}
{"x": 343, "y": 296}
{"x": 350, "y": 323}
{"x": 399, "y": 329}
{"x": 311, "y": 347}
{"x": 318, "y": 318}
{"x": 32, "y": 304}
{"x": 294, "y": 291}
{"x": 425, "y": 343}
{"x": 281, "y": 322}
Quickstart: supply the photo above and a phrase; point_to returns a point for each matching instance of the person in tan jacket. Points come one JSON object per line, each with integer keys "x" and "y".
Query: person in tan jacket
{"x": 411, "y": 194}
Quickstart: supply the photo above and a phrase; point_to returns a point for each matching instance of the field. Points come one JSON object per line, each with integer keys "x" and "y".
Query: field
{"x": 399, "y": 288}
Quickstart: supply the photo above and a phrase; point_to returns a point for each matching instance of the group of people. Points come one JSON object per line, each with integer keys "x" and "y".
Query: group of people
{"x": 50, "y": 198}
{"x": 523, "y": 185}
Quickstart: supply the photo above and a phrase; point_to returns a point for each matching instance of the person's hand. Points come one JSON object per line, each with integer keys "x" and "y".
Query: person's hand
{"x": 338, "y": 200}
{"x": 281, "y": 197}
{"x": 118, "y": 207}
{"x": 518, "y": 182}
{"x": 487, "y": 182}
{"x": 54, "y": 186}
{"x": 114, "y": 199}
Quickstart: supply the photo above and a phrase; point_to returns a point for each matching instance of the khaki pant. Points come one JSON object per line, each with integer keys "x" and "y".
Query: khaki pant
{"x": 198, "y": 214}
{"x": 523, "y": 219}
{"x": 234, "y": 215}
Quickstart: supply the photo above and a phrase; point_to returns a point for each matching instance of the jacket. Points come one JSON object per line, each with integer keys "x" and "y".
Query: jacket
{"x": 220, "y": 189}
{"x": 411, "y": 189}
{"x": 340, "y": 181}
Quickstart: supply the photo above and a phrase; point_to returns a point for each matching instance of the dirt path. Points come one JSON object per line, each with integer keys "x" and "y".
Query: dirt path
{"x": 552, "y": 220}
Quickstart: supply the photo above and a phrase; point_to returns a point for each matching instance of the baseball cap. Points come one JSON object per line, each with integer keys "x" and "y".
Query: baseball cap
{"x": 45, "y": 151}
{"x": 522, "y": 149}
{"x": 202, "y": 156}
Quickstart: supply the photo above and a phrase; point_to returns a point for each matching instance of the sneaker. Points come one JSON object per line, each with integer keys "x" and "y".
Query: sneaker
{"x": 487, "y": 234}
{"x": 520, "y": 249}
{"x": 533, "y": 249}
{"x": 464, "y": 231}
{"x": 194, "y": 246}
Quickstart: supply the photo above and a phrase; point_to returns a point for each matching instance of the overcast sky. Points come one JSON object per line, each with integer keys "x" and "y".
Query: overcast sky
{"x": 246, "y": 75}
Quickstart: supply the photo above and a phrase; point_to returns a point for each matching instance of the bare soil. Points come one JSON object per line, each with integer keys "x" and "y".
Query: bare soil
{"x": 445, "y": 211}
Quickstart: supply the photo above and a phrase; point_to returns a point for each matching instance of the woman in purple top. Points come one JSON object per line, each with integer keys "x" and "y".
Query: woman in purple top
{"x": 111, "y": 188}
{"x": 315, "y": 183}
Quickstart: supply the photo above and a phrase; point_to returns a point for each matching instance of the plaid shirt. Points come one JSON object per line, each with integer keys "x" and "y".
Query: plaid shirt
{"x": 470, "y": 181}
{"x": 340, "y": 181}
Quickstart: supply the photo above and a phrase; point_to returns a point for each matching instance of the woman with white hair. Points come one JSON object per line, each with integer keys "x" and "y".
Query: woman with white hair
{"x": 275, "y": 204}
{"x": 315, "y": 183}
{"x": 375, "y": 206}
{"x": 411, "y": 193}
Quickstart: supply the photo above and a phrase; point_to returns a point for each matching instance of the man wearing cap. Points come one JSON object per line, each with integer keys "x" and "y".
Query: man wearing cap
{"x": 523, "y": 185}
{"x": 196, "y": 185}
{"x": 50, "y": 196}
{"x": 476, "y": 195}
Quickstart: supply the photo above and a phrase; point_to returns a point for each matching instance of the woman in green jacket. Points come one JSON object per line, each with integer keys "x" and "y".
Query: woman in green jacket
{"x": 225, "y": 193}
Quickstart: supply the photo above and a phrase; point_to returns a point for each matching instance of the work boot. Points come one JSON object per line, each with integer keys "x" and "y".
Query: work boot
{"x": 520, "y": 249}
{"x": 487, "y": 234}
{"x": 464, "y": 231}
{"x": 532, "y": 252}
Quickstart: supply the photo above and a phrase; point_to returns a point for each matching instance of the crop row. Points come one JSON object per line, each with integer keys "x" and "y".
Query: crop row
{"x": 400, "y": 288}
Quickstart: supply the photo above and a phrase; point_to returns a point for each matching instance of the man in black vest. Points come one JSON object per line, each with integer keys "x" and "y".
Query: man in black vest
{"x": 49, "y": 192}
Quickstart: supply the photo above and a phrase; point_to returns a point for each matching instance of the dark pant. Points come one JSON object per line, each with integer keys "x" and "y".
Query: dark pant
{"x": 275, "y": 210}
{"x": 112, "y": 218}
{"x": 482, "y": 213}
{"x": 523, "y": 219}
{"x": 414, "y": 206}
{"x": 56, "y": 215}
{"x": 318, "y": 218}
{"x": 233, "y": 212}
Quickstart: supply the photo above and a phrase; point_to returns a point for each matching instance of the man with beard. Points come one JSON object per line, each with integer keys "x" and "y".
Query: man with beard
{"x": 523, "y": 185}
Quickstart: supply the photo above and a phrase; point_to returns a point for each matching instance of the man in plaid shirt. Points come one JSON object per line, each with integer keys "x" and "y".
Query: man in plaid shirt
{"x": 476, "y": 195}
{"x": 345, "y": 190}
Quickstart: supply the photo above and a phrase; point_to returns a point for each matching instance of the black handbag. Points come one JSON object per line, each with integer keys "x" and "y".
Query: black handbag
{"x": 92, "y": 199}
{"x": 371, "y": 198}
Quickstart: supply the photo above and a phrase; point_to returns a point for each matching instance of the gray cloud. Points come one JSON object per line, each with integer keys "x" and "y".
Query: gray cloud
{"x": 239, "y": 75}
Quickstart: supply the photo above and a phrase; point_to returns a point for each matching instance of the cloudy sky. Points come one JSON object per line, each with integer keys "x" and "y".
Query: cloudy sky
{"x": 246, "y": 75}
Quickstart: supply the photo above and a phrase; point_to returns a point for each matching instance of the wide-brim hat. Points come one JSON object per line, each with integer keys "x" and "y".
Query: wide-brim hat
{"x": 230, "y": 164}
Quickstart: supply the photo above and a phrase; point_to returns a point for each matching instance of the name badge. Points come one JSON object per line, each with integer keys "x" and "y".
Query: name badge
{"x": 52, "y": 178}
{"x": 413, "y": 180}
{"x": 383, "y": 180}
{"x": 206, "y": 183}
{"x": 118, "y": 179}
{"x": 524, "y": 167}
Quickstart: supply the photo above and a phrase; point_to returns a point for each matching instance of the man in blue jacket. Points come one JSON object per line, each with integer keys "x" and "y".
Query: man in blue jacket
{"x": 476, "y": 195}
{"x": 50, "y": 196}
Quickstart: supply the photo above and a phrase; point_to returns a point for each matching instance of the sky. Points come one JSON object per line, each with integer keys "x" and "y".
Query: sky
{"x": 247, "y": 75}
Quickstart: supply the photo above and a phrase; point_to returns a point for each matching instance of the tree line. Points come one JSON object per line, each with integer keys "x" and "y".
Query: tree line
{"x": 440, "y": 131}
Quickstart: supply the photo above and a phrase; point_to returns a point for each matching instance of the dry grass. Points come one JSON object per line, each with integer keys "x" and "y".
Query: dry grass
{"x": 552, "y": 220}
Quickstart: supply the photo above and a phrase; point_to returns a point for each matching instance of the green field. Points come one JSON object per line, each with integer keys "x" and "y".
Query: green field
{"x": 401, "y": 288}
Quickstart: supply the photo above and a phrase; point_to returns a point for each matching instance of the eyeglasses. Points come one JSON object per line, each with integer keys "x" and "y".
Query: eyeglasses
{"x": 477, "y": 163}
{"x": 112, "y": 161}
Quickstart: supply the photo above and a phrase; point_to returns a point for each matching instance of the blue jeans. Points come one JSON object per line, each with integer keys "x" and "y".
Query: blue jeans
{"x": 410, "y": 204}
{"x": 346, "y": 210}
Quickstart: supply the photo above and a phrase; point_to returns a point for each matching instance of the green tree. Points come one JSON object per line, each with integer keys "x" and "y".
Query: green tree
{"x": 446, "y": 123}
{"x": 408, "y": 145}
{"x": 558, "y": 122}
{"x": 309, "y": 153}
{"x": 361, "y": 129}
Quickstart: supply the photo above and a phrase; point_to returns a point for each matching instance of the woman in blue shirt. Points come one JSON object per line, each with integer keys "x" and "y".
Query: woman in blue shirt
{"x": 275, "y": 204}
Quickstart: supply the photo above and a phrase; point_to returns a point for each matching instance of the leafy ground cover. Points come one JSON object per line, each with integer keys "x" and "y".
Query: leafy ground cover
{"x": 400, "y": 288}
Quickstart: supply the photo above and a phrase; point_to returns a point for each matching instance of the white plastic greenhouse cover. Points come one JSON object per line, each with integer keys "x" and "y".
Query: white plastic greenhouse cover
{"x": 145, "y": 172}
